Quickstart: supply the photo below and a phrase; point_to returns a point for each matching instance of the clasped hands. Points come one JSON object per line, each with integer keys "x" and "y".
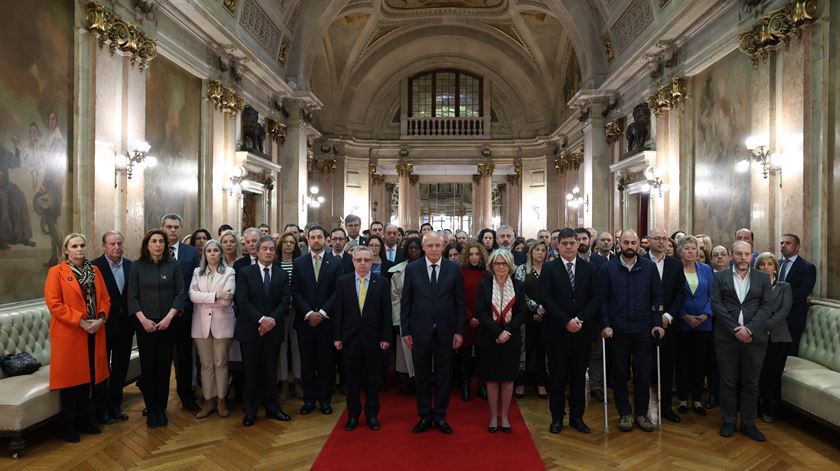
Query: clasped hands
{"x": 314, "y": 318}
{"x": 694, "y": 321}
{"x": 457, "y": 340}
{"x": 382, "y": 345}
{"x": 742, "y": 334}
{"x": 266, "y": 324}
{"x": 607, "y": 332}
{"x": 91, "y": 326}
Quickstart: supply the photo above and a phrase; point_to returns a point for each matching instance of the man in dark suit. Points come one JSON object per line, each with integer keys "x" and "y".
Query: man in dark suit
{"x": 392, "y": 243}
{"x": 119, "y": 331}
{"x": 801, "y": 275}
{"x": 569, "y": 289}
{"x": 506, "y": 237}
{"x": 673, "y": 292}
{"x": 181, "y": 326}
{"x": 432, "y": 320}
{"x": 742, "y": 301}
{"x": 314, "y": 277}
{"x": 250, "y": 238}
{"x": 262, "y": 299}
{"x": 337, "y": 242}
{"x": 362, "y": 331}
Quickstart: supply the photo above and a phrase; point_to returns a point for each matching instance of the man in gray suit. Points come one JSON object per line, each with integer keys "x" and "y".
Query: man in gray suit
{"x": 741, "y": 304}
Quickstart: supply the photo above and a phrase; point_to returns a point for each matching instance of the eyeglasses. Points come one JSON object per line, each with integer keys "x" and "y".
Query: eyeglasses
{"x": 659, "y": 239}
{"x": 554, "y": 238}
{"x": 500, "y": 264}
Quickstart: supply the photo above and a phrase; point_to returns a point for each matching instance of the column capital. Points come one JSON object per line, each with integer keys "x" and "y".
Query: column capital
{"x": 476, "y": 179}
{"x": 404, "y": 168}
{"x": 486, "y": 168}
{"x": 594, "y": 105}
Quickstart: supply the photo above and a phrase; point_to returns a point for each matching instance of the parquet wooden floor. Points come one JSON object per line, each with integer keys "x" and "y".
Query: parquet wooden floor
{"x": 224, "y": 444}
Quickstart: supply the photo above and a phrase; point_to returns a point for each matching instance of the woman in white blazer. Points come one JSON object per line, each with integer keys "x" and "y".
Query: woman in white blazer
{"x": 211, "y": 292}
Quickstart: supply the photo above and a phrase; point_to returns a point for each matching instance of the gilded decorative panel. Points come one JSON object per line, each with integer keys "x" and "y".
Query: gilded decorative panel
{"x": 173, "y": 127}
{"x": 36, "y": 115}
{"x": 722, "y": 123}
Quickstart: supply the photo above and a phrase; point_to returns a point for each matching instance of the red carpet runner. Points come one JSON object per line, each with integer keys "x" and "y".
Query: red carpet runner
{"x": 395, "y": 447}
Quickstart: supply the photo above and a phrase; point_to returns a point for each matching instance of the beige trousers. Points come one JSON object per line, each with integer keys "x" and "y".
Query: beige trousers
{"x": 213, "y": 353}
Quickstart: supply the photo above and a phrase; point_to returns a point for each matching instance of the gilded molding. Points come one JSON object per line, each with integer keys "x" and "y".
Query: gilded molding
{"x": 377, "y": 179}
{"x": 120, "y": 35}
{"x": 326, "y": 166}
{"x": 668, "y": 97}
{"x": 277, "y": 131}
{"x": 486, "y": 169}
{"x": 609, "y": 52}
{"x": 230, "y": 5}
{"x": 569, "y": 161}
{"x": 224, "y": 98}
{"x": 283, "y": 55}
{"x": 413, "y": 179}
{"x": 776, "y": 29}
{"x": 372, "y": 167}
{"x": 404, "y": 168}
{"x": 615, "y": 129}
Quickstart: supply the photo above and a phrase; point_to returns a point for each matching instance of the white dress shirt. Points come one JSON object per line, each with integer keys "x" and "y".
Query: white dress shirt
{"x": 660, "y": 265}
{"x": 742, "y": 287}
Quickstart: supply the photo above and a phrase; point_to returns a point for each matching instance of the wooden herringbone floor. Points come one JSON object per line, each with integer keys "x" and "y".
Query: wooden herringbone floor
{"x": 224, "y": 444}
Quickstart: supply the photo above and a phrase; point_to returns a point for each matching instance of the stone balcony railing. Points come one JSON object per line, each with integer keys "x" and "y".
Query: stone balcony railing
{"x": 445, "y": 128}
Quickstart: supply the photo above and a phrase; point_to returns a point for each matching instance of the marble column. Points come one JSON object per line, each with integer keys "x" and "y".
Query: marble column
{"x": 294, "y": 175}
{"x": 476, "y": 204}
{"x": 378, "y": 210}
{"x": 414, "y": 216}
{"x": 406, "y": 218}
{"x": 514, "y": 202}
{"x": 485, "y": 187}
{"x": 596, "y": 167}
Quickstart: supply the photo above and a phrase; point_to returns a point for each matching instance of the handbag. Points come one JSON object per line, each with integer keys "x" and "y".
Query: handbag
{"x": 20, "y": 364}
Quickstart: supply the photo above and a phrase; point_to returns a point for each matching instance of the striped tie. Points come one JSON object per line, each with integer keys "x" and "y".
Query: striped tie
{"x": 570, "y": 271}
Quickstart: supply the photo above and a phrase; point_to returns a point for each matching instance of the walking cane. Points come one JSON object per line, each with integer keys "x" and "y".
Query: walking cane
{"x": 604, "y": 361}
{"x": 658, "y": 340}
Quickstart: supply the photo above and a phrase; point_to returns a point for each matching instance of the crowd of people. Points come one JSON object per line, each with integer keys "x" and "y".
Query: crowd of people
{"x": 272, "y": 315}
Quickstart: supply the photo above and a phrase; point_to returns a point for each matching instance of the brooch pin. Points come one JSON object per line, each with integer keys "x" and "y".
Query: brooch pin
{"x": 69, "y": 278}
{"x": 162, "y": 277}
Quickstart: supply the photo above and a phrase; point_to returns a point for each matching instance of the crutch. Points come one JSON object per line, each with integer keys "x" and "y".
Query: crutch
{"x": 604, "y": 362}
{"x": 658, "y": 340}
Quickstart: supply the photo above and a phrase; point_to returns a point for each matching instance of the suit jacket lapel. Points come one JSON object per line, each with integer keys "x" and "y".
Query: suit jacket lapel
{"x": 108, "y": 277}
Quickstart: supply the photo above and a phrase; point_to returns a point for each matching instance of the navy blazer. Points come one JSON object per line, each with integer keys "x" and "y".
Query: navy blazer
{"x": 370, "y": 325}
{"x": 310, "y": 295}
{"x": 242, "y": 263}
{"x": 189, "y": 260}
{"x": 562, "y": 303}
{"x": 119, "y": 301}
{"x": 422, "y": 308}
{"x": 252, "y": 303}
{"x": 801, "y": 277}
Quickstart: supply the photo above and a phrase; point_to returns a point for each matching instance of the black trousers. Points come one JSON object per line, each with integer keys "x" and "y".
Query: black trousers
{"x": 76, "y": 409}
{"x": 363, "y": 367}
{"x": 466, "y": 363}
{"x": 535, "y": 352}
{"x": 691, "y": 363}
{"x": 317, "y": 363}
{"x": 712, "y": 375}
{"x": 796, "y": 335}
{"x": 119, "y": 336}
{"x": 635, "y": 346}
{"x": 181, "y": 327}
{"x": 739, "y": 365}
{"x": 260, "y": 358}
{"x": 567, "y": 362}
{"x": 155, "y": 366}
{"x": 770, "y": 381}
{"x": 424, "y": 355}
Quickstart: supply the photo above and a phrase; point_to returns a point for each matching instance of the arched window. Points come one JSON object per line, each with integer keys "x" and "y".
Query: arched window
{"x": 445, "y": 94}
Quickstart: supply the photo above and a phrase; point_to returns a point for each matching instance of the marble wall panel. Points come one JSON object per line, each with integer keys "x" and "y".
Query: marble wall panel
{"x": 722, "y": 123}
{"x": 833, "y": 254}
{"x": 173, "y": 129}
{"x": 36, "y": 115}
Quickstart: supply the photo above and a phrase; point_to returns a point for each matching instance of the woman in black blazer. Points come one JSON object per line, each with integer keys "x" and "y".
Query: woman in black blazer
{"x": 500, "y": 310}
{"x": 155, "y": 296}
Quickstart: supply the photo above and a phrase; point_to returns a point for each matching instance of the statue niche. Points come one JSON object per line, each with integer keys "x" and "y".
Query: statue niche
{"x": 253, "y": 132}
{"x": 638, "y": 132}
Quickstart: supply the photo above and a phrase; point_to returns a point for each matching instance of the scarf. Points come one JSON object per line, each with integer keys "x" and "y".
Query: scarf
{"x": 85, "y": 276}
{"x": 503, "y": 299}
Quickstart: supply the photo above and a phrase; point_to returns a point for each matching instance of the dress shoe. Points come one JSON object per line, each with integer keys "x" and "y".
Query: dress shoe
{"x": 88, "y": 428}
{"x": 519, "y": 392}
{"x": 163, "y": 421}
{"x": 373, "y": 423}
{"x": 279, "y": 415}
{"x": 712, "y": 402}
{"x": 466, "y": 395}
{"x": 119, "y": 414}
{"x": 668, "y": 414}
{"x": 699, "y": 410}
{"x": 682, "y": 409}
{"x": 541, "y": 392}
{"x": 579, "y": 425}
{"x": 307, "y": 407}
{"x": 352, "y": 423}
{"x": 206, "y": 409}
{"x": 284, "y": 390}
{"x": 446, "y": 428}
{"x": 190, "y": 405}
{"x": 421, "y": 426}
{"x": 71, "y": 436}
{"x": 493, "y": 429}
{"x": 104, "y": 418}
{"x": 481, "y": 391}
{"x": 326, "y": 408}
{"x": 597, "y": 394}
{"x": 298, "y": 389}
{"x": 753, "y": 433}
{"x": 223, "y": 408}
{"x": 556, "y": 425}
{"x": 248, "y": 420}
{"x": 727, "y": 430}
{"x": 505, "y": 429}
{"x": 151, "y": 420}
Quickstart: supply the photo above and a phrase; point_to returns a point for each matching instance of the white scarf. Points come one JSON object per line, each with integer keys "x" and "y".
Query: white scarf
{"x": 503, "y": 299}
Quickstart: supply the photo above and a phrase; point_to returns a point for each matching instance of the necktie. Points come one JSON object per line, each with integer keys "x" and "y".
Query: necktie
{"x": 172, "y": 253}
{"x": 391, "y": 254}
{"x": 434, "y": 275}
{"x": 362, "y": 294}
{"x": 266, "y": 280}
{"x": 571, "y": 273}
{"x": 317, "y": 266}
{"x": 785, "y": 269}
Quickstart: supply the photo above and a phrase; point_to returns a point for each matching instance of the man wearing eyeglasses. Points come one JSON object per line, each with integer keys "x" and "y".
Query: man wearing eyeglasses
{"x": 672, "y": 277}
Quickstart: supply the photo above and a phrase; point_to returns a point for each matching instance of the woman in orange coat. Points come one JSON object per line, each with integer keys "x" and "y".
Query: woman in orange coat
{"x": 78, "y": 302}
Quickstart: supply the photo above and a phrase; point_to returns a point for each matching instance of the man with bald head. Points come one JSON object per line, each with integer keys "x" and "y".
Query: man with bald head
{"x": 741, "y": 304}
{"x": 631, "y": 296}
{"x": 746, "y": 235}
{"x": 672, "y": 277}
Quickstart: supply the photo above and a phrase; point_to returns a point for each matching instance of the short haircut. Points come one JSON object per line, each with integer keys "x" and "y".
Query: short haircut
{"x": 250, "y": 230}
{"x": 317, "y": 228}
{"x": 264, "y": 239}
{"x": 793, "y": 236}
{"x": 171, "y": 216}
{"x": 752, "y": 235}
{"x": 309, "y": 225}
{"x": 362, "y": 248}
{"x": 767, "y": 256}
{"x": 432, "y": 234}
{"x": 291, "y": 225}
{"x": 118, "y": 233}
{"x": 567, "y": 232}
{"x": 581, "y": 230}
{"x": 377, "y": 222}
{"x": 737, "y": 242}
{"x": 721, "y": 247}
{"x": 224, "y": 227}
{"x": 505, "y": 227}
{"x": 506, "y": 255}
{"x": 426, "y": 224}
{"x": 337, "y": 229}
{"x": 144, "y": 246}
{"x": 265, "y": 226}
{"x": 352, "y": 218}
{"x": 689, "y": 239}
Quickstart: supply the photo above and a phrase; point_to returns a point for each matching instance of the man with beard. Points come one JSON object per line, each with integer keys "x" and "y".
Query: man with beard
{"x": 631, "y": 294}
{"x": 604, "y": 246}
{"x": 585, "y": 249}
{"x": 506, "y": 236}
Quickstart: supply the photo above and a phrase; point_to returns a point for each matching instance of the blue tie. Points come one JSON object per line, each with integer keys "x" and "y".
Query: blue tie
{"x": 266, "y": 280}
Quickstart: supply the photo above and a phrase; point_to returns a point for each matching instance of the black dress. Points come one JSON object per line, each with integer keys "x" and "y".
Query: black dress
{"x": 498, "y": 362}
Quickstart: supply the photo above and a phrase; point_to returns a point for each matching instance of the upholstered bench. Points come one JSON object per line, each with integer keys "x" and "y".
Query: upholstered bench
{"x": 26, "y": 401}
{"x": 811, "y": 381}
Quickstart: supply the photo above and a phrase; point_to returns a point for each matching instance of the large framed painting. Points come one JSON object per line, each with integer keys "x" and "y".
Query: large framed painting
{"x": 173, "y": 129}
{"x": 36, "y": 113}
